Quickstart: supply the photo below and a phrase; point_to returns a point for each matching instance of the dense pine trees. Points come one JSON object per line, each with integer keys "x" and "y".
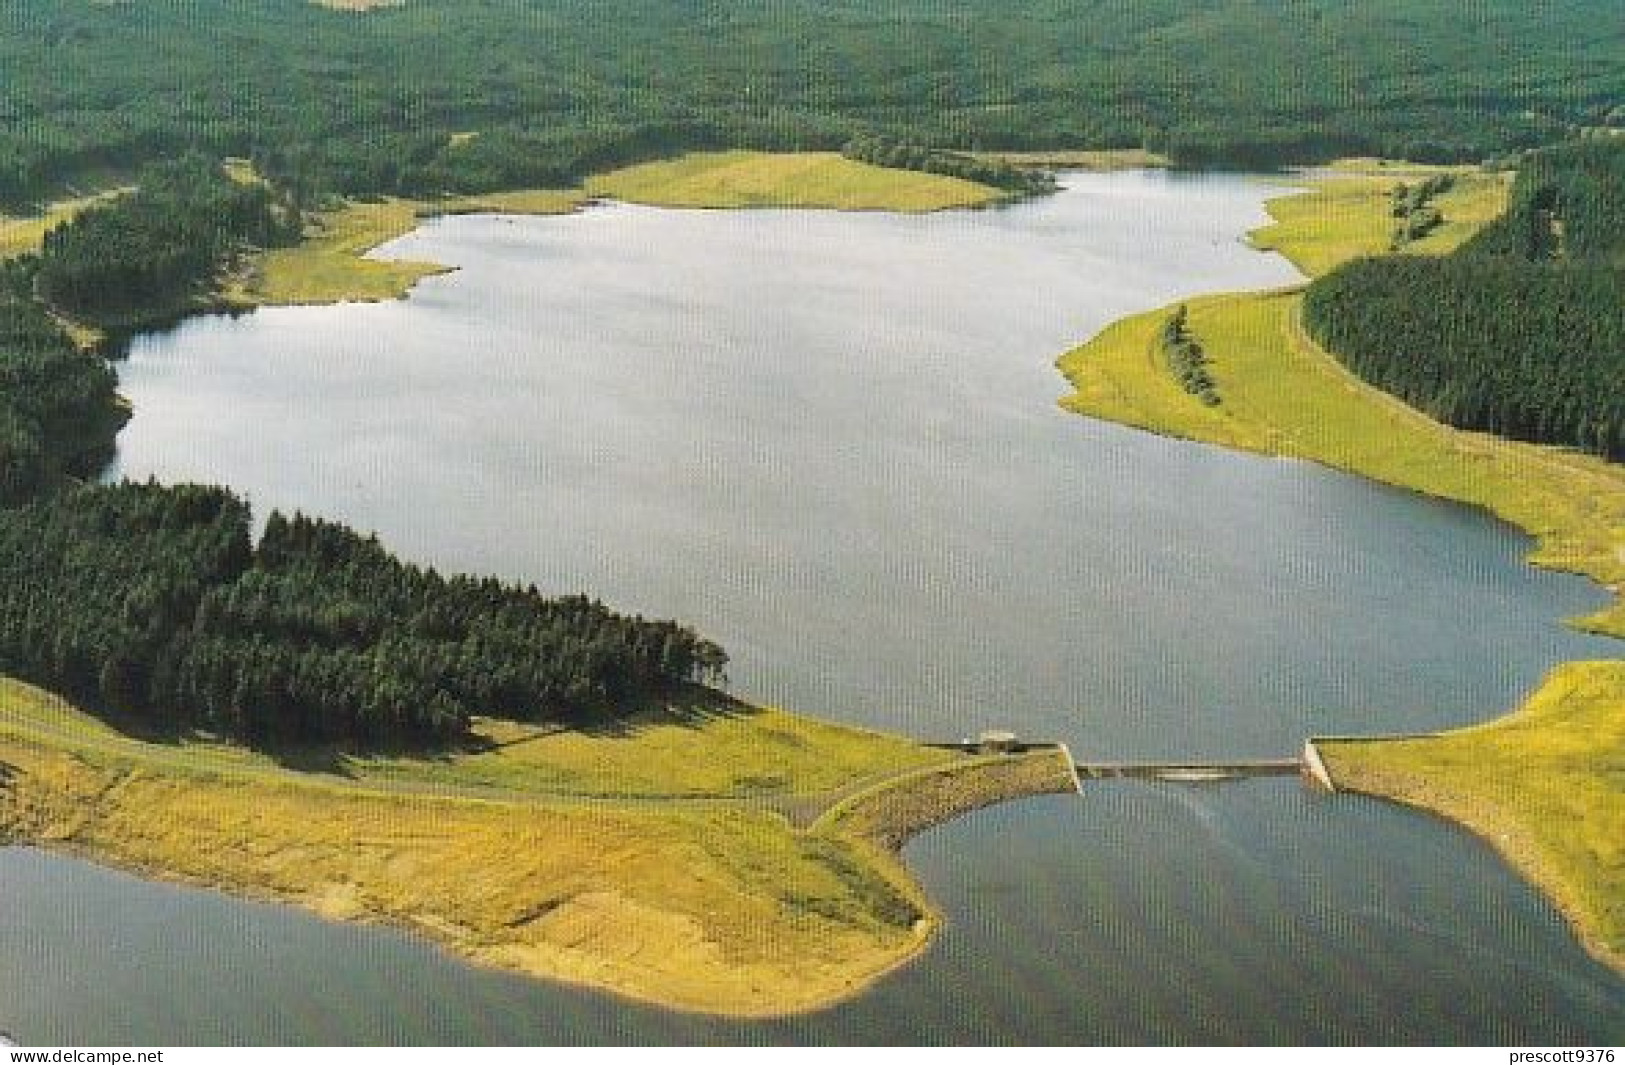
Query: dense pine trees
{"x": 1522, "y": 331}
{"x": 151, "y": 604}
{"x": 1568, "y": 204}
{"x": 146, "y": 256}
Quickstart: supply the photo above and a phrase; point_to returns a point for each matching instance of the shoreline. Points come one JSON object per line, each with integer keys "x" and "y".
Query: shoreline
{"x": 330, "y": 265}
{"x": 1283, "y": 396}
{"x": 76, "y": 806}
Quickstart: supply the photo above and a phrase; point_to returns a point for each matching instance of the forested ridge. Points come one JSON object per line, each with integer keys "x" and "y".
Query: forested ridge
{"x": 1521, "y": 331}
{"x": 385, "y": 101}
{"x": 887, "y": 152}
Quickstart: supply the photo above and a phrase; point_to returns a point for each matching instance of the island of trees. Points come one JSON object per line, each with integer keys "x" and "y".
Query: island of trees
{"x": 1521, "y": 331}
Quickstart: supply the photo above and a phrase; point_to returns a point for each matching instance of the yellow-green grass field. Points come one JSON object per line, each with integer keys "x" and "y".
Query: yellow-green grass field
{"x": 805, "y": 179}
{"x": 714, "y": 749}
{"x": 1282, "y": 395}
{"x": 642, "y": 860}
{"x": 1544, "y": 785}
{"x": 328, "y": 265}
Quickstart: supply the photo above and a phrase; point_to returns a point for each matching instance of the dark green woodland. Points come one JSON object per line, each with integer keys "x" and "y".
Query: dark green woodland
{"x": 149, "y": 256}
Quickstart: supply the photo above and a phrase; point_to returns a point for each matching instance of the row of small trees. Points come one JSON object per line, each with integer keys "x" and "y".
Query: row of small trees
{"x": 1185, "y": 358}
{"x": 1415, "y": 216}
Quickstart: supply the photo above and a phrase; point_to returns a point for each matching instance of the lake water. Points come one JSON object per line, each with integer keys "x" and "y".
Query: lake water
{"x": 830, "y": 441}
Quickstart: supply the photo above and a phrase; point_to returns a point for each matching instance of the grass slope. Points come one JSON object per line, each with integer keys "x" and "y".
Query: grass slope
{"x": 709, "y": 749}
{"x": 1544, "y": 785}
{"x": 807, "y": 179}
{"x": 662, "y": 874}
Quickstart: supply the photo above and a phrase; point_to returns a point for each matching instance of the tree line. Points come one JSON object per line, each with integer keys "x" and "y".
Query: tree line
{"x": 59, "y": 411}
{"x": 383, "y": 101}
{"x": 1519, "y": 332}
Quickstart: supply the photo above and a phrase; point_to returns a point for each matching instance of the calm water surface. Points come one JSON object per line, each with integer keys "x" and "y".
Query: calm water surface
{"x": 831, "y": 442}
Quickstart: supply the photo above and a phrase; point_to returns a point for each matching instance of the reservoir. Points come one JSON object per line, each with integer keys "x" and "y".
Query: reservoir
{"x": 830, "y": 442}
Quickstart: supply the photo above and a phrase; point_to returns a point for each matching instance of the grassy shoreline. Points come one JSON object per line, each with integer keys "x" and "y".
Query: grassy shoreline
{"x": 670, "y": 889}
{"x": 1283, "y": 396}
{"x": 1523, "y": 782}
{"x": 1528, "y": 784}
{"x": 329, "y": 265}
